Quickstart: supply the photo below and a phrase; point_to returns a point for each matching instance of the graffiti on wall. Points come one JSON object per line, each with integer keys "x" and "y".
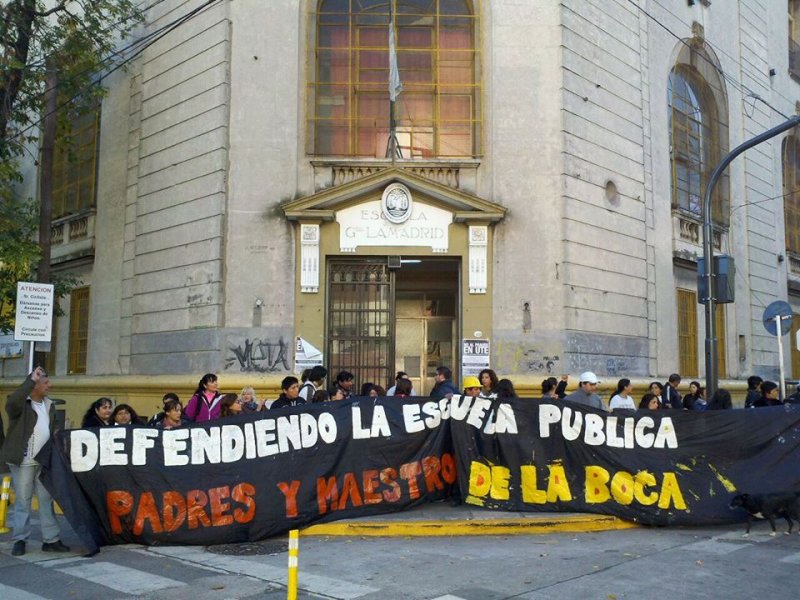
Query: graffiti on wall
{"x": 534, "y": 361}
{"x": 259, "y": 356}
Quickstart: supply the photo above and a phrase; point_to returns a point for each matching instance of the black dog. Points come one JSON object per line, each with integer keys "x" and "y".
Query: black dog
{"x": 769, "y": 506}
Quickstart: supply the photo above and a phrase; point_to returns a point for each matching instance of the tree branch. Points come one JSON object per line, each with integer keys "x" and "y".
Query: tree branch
{"x": 12, "y": 79}
{"x": 55, "y": 9}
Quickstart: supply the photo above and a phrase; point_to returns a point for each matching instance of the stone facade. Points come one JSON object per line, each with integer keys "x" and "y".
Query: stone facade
{"x": 203, "y": 141}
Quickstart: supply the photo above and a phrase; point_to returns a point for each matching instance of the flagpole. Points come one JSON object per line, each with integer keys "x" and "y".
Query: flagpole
{"x": 393, "y": 147}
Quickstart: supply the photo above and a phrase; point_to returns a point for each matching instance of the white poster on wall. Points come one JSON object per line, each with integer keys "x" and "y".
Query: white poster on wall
{"x": 34, "y": 316}
{"x": 474, "y": 356}
{"x": 306, "y": 355}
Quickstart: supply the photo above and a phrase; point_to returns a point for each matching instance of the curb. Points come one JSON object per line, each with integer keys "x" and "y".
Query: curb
{"x": 429, "y": 528}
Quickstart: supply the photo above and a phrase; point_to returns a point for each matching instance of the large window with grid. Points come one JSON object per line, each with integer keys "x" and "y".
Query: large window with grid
{"x": 687, "y": 333}
{"x": 688, "y": 338}
{"x": 795, "y": 352}
{"x": 794, "y": 38}
{"x": 50, "y": 357}
{"x": 75, "y": 166}
{"x": 698, "y": 133}
{"x": 791, "y": 193}
{"x": 78, "y": 330}
{"x": 438, "y": 112}
{"x": 722, "y": 359}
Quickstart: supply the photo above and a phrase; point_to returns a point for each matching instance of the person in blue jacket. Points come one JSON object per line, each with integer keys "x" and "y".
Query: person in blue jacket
{"x": 444, "y": 386}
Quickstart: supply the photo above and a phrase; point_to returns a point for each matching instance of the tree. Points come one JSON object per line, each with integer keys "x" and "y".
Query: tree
{"x": 76, "y": 38}
{"x": 19, "y": 251}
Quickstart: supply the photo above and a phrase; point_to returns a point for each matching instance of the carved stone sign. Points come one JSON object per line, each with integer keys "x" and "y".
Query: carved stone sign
{"x": 366, "y": 225}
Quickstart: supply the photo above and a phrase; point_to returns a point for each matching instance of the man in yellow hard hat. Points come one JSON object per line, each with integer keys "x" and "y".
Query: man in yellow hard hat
{"x": 472, "y": 386}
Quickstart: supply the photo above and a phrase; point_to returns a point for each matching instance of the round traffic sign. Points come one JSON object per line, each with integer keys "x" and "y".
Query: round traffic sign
{"x": 778, "y": 312}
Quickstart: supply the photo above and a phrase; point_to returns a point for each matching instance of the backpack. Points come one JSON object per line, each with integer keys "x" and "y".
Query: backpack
{"x": 311, "y": 389}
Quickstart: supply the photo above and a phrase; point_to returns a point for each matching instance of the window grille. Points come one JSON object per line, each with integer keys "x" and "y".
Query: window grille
{"x": 75, "y": 166}
{"x": 78, "y": 330}
{"x": 698, "y": 132}
{"x": 438, "y": 113}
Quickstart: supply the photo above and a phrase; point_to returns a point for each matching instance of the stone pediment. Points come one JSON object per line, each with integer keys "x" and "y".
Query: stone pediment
{"x": 322, "y": 206}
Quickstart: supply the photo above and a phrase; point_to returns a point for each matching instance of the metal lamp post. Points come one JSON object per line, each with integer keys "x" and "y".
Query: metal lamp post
{"x": 712, "y": 374}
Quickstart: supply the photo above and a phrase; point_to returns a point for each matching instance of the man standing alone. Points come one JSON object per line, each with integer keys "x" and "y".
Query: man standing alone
{"x": 31, "y": 421}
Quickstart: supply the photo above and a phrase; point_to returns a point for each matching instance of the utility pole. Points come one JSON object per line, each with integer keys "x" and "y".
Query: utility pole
{"x": 46, "y": 182}
{"x": 712, "y": 370}
{"x": 46, "y": 171}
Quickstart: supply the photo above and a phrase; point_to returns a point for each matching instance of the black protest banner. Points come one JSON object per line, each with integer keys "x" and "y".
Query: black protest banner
{"x": 255, "y": 476}
{"x": 652, "y": 467}
{"x": 252, "y": 476}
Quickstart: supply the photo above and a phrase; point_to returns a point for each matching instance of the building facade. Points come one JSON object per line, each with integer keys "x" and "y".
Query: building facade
{"x": 545, "y": 203}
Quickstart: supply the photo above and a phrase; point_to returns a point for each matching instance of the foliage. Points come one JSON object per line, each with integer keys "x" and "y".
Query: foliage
{"x": 76, "y": 38}
{"x": 18, "y": 250}
{"x": 20, "y": 253}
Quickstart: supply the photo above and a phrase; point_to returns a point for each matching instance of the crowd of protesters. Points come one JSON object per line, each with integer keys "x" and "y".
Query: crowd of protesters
{"x": 209, "y": 403}
{"x": 32, "y": 414}
{"x": 665, "y": 396}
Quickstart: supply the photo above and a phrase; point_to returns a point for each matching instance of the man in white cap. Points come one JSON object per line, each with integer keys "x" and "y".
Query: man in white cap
{"x": 587, "y": 391}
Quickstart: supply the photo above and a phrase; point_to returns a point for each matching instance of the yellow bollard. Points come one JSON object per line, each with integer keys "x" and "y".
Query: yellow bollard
{"x": 294, "y": 552}
{"x": 4, "y": 503}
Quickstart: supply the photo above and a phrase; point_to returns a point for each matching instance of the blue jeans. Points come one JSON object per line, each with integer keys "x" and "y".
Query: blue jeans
{"x": 25, "y": 479}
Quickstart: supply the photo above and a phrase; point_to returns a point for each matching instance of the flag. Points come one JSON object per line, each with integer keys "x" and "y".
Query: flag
{"x": 395, "y": 85}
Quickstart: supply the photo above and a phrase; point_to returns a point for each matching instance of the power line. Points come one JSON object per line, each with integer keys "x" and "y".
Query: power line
{"x": 742, "y": 89}
{"x": 754, "y": 202}
{"x": 747, "y": 92}
{"x": 151, "y": 38}
{"x": 738, "y": 86}
{"x": 114, "y": 26}
{"x": 114, "y": 53}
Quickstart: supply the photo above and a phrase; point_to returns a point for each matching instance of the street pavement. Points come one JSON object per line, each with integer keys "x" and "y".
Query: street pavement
{"x": 437, "y": 552}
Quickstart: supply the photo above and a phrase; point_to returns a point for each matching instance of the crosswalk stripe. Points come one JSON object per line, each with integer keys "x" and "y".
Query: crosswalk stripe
{"x": 330, "y": 587}
{"x": 754, "y": 537}
{"x": 60, "y": 562}
{"x": 6, "y": 591}
{"x": 44, "y": 559}
{"x": 715, "y": 546}
{"x": 792, "y": 558}
{"x": 120, "y": 578}
{"x": 145, "y": 551}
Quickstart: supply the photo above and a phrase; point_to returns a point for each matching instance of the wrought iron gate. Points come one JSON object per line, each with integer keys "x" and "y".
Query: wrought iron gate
{"x": 361, "y": 320}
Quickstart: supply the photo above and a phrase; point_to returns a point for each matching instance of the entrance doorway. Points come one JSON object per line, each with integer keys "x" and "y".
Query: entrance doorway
{"x": 427, "y": 305}
{"x": 382, "y": 319}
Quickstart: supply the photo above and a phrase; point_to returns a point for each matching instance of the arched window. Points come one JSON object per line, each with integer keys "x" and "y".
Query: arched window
{"x": 698, "y": 132}
{"x": 791, "y": 191}
{"x": 438, "y": 54}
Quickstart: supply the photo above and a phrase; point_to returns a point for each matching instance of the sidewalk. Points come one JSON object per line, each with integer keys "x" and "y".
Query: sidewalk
{"x": 443, "y": 519}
